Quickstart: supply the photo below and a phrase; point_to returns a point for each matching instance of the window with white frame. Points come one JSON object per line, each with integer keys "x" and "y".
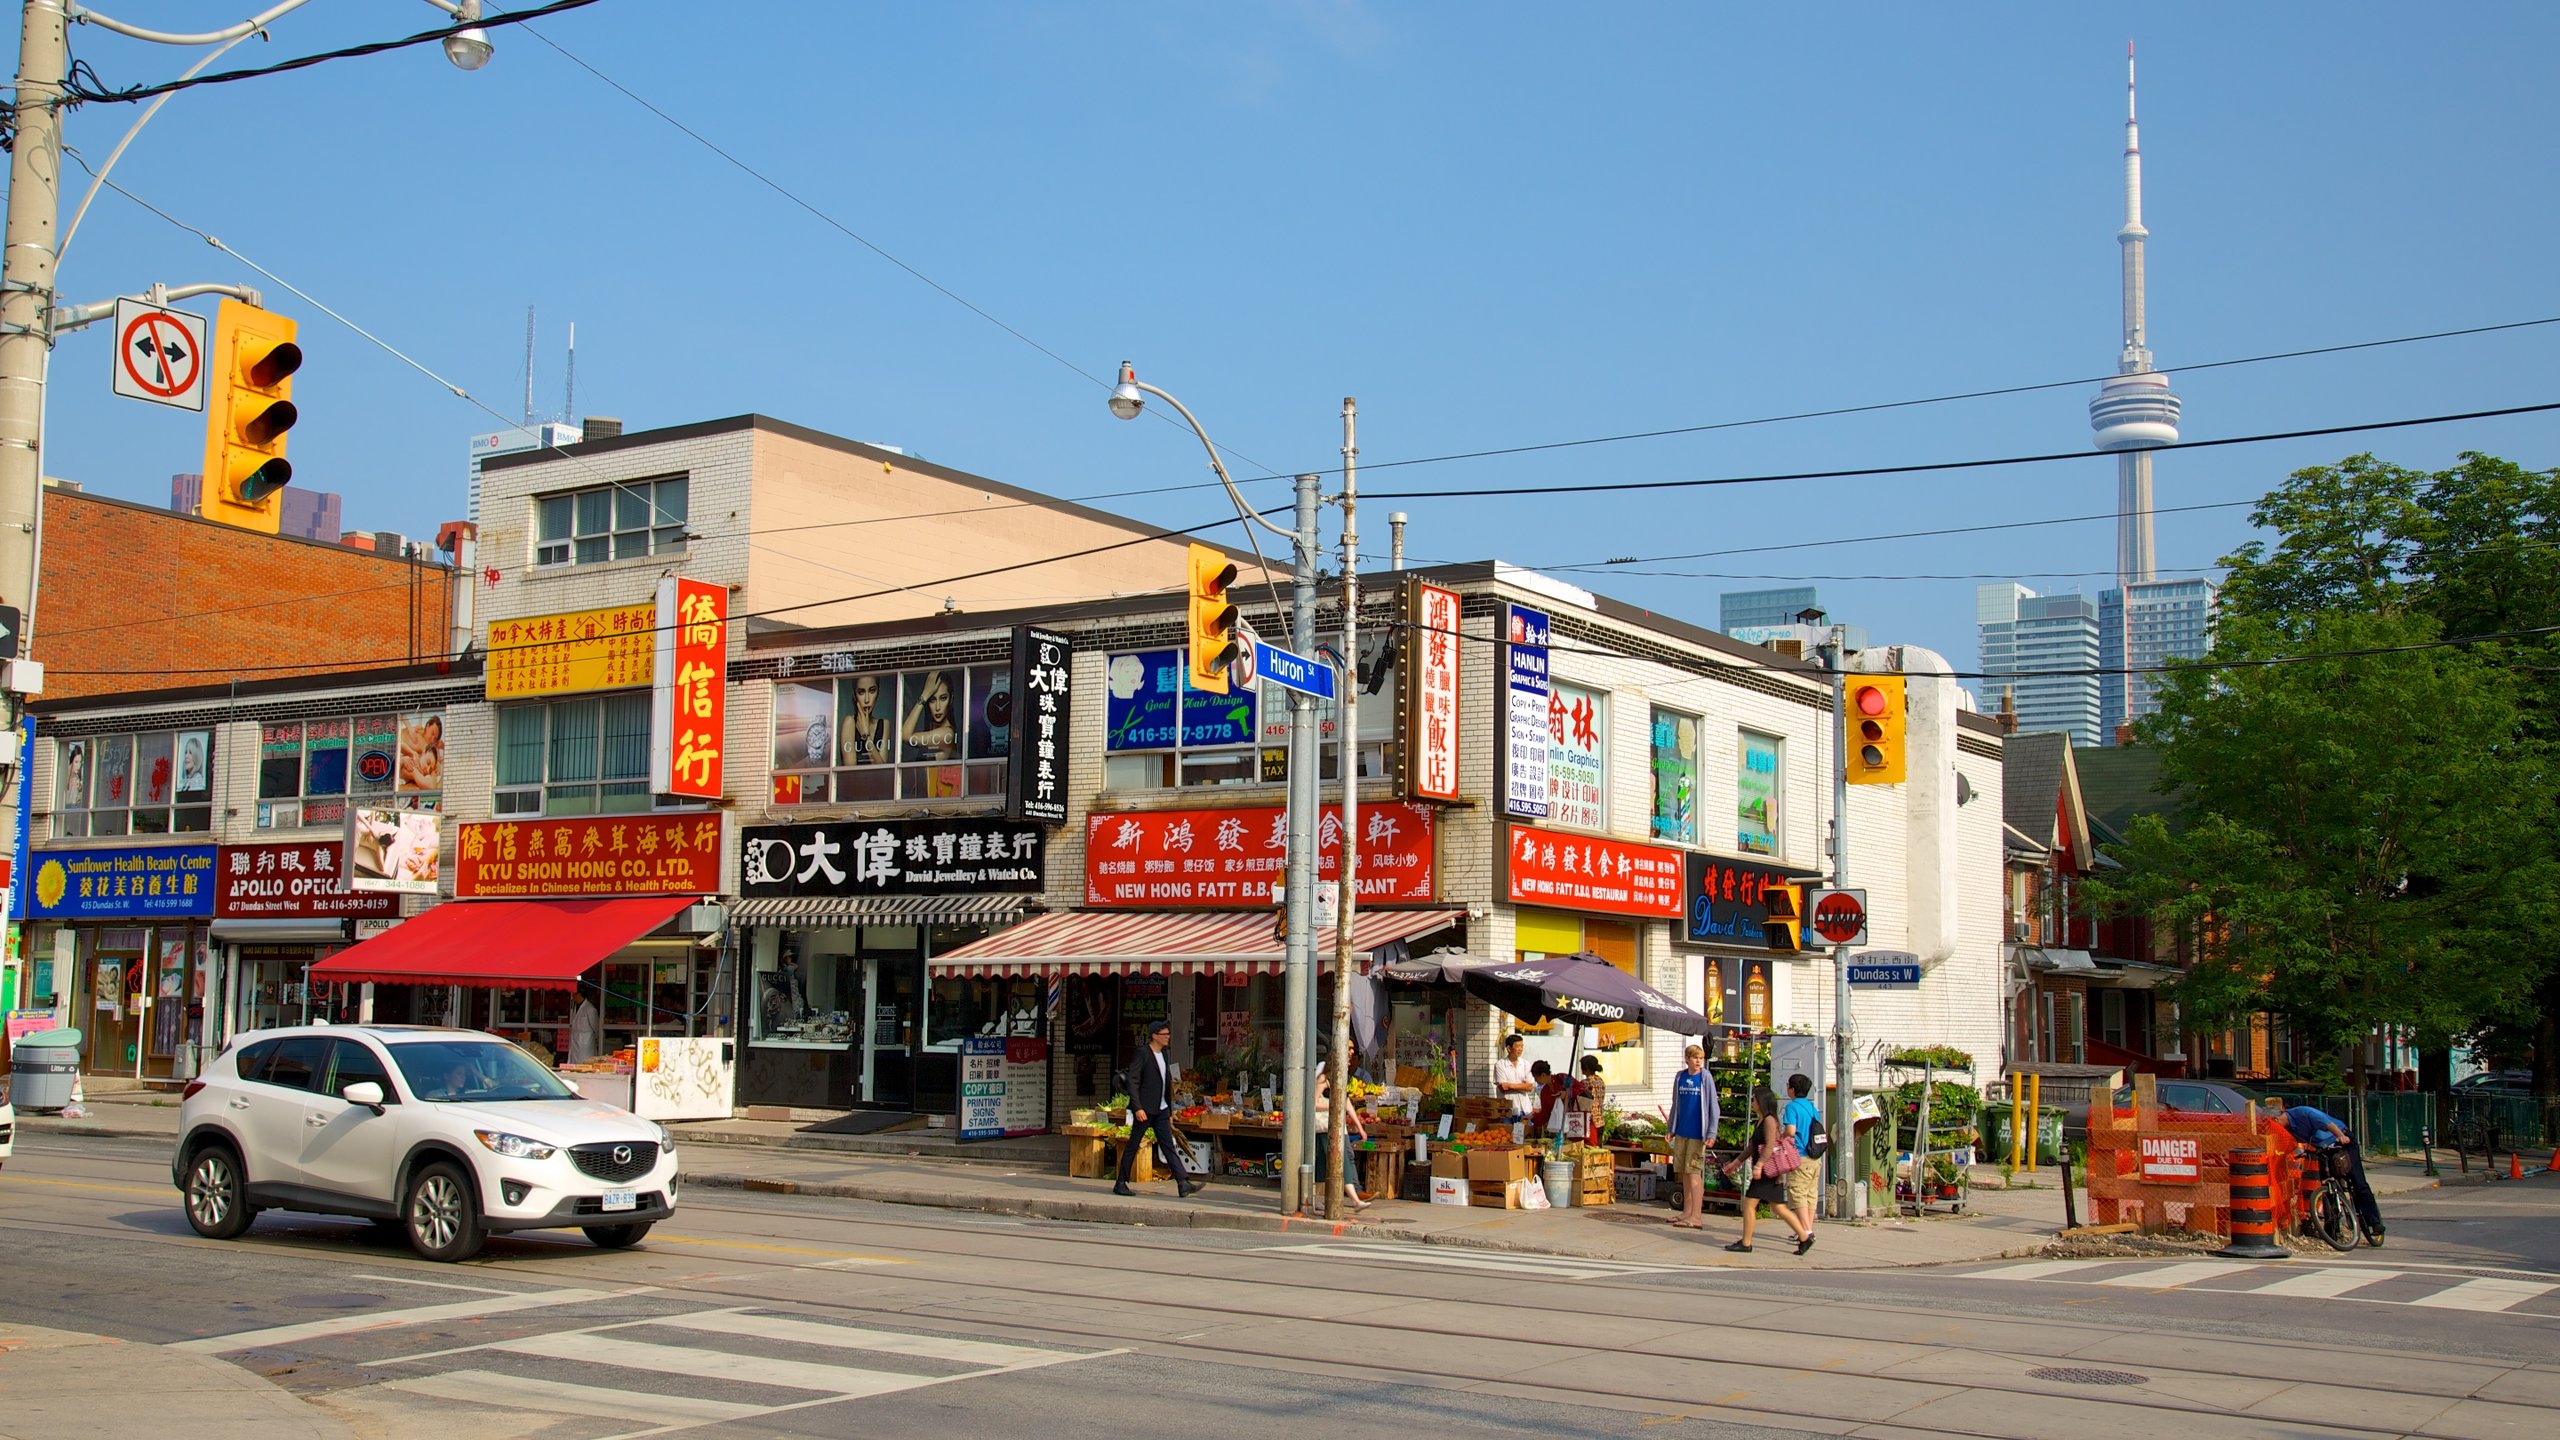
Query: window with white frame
{"x": 587, "y": 755}
{"x": 310, "y": 770}
{"x": 627, "y": 520}
{"x": 1159, "y": 732}
{"x": 1675, "y": 777}
{"x": 153, "y": 783}
{"x": 1759, "y": 780}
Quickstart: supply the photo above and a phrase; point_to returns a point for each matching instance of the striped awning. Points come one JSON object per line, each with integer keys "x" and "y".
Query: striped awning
{"x": 1168, "y": 942}
{"x": 818, "y": 912}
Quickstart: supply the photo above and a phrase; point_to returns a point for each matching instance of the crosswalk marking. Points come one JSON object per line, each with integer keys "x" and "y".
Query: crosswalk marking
{"x": 2487, "y": 1295}
{"x": 385, "y": 1319}
{"x": 2170, "y": 1277}
{"x": 2326, "y": 1283}
{"x": 1506, "y": 1262}
{"x": 559, "y": 1397}
{"x": 587, "y": 1348}
{"x": 848, "y": 1337}
{"x": 2032, "y": 1270}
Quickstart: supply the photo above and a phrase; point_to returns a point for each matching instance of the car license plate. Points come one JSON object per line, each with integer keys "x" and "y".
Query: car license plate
{"x": 621, "y": 1200}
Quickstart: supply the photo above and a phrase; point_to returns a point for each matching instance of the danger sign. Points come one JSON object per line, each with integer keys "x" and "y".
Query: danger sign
{"x": 2172, "y": 1157}
{"x": 159, "y": 354}
{"x": 1840, "y": 916}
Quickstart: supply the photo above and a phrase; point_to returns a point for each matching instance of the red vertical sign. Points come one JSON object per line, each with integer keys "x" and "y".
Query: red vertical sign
{"x": 1431, "y": 708}
{"x": 691, "y": 689}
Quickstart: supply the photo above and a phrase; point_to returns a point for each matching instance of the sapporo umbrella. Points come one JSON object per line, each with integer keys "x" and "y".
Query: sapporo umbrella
{"x": 1581, "y": 989}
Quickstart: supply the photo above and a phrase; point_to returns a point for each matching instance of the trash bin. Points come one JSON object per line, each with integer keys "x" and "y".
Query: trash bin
{"x": 1997, "y": 1142}
{"x": 42, "y": 1069}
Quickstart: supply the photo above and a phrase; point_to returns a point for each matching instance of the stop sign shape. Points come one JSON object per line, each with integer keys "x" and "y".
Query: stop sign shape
{"x": 1840, "y": 917}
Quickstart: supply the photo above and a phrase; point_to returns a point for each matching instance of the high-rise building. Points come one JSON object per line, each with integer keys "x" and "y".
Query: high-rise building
{"x": 546, "y": 435}
{"x": 1742, "y": 609}
{"x": 2158, "y": 621}
{"x": 310, "y": 514}
{"x": 2044, "y": 649}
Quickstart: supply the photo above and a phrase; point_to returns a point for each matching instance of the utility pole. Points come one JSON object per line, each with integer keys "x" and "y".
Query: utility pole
{"x": 26, "y": 340}
{"x": 1347, "y": 728}
{"x": 1297, "y": 1131}
{"x": 1843, "y": 1109}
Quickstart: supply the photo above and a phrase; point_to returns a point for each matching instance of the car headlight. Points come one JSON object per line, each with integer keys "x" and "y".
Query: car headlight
{"x": 515, "y": 1147}
{"x": 666, "y": 1138}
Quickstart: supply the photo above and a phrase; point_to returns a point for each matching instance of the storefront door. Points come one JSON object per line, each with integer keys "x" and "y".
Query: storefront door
{"x": 114, "y": 1029}
{"x": 891, "y": 985}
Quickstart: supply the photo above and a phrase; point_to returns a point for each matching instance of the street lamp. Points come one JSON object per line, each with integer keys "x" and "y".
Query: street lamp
{"x": 467, "y": 49}
{"x": 1297, "y": 1148}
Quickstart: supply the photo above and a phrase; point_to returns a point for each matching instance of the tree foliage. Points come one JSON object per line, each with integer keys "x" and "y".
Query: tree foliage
{"x": 2368, "y": 814}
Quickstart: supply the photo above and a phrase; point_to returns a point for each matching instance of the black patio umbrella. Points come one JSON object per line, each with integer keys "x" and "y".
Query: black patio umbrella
{"x": 1582, "y": 989}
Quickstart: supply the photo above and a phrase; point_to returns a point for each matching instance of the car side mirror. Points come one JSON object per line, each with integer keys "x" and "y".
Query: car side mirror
{"x": 365, "y": 1093}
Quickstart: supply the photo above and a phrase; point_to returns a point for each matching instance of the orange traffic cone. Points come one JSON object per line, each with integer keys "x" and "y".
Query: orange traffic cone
{"x": 2554, "y": 1167}
{"x": 2515, "y": 1167}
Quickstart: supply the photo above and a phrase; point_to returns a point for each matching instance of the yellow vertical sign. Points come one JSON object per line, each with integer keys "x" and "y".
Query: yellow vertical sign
{"x": 577, "y": 650}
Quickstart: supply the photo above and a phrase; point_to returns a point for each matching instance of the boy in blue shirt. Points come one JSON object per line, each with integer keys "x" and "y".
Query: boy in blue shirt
{"x": 2321, "y": 1130}
{"x": 1693, "y": 1128}
{"x": 1804, "y": 1183}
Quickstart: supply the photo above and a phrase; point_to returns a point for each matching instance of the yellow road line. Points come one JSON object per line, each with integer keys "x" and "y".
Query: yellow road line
{"x": 165, "y": 1192}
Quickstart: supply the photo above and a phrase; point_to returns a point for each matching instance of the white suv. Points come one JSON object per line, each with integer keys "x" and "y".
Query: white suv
{"x": 447, "y": 1134}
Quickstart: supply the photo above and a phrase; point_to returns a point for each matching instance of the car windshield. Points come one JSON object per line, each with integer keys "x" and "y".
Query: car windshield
{"x": 476, "y": 1071}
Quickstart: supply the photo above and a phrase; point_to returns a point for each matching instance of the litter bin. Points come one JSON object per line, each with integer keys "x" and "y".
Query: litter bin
{"x": 42, "y": 1069}
{"x": 1998, "y": 1142}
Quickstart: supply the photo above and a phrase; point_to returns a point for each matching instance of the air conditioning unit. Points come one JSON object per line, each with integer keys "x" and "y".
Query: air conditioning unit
{"x": 2024, "y": 929}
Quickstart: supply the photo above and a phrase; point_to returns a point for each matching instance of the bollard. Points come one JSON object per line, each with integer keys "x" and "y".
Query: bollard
{"x": 2253, "y": 1212}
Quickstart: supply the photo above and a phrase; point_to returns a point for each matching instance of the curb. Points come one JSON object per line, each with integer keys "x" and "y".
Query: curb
{"x": 50, "y": 1125}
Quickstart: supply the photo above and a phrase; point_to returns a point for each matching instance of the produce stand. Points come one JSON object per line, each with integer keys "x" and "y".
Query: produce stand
{"x": 1933, "y": 1116}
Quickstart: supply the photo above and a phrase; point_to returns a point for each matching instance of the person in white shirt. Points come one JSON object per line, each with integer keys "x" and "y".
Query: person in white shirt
{"x": 1511, "y": 1078}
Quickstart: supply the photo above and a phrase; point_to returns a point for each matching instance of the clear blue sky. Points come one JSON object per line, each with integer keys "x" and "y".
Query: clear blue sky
{"x": 1497, "y": 225}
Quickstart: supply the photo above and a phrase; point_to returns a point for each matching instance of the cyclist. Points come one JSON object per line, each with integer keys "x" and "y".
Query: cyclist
{"x": 2321, "y": 1130}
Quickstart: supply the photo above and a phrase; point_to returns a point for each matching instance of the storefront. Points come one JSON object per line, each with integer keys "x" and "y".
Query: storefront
{"x": 126, "y": 951}
{"x": 277, "y": 908}
{"x": 1178, "y": 925}
{"x": 579, "y": 939}
{"x": 840, "y": 924}
{"x": 1742, "y": 975}
{"x": 1588, "y": 894}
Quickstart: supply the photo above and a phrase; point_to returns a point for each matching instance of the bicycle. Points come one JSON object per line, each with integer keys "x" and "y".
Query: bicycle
{"x": 2333, "y": 1205}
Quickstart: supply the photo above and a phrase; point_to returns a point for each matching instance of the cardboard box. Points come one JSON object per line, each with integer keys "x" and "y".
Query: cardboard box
{"x": 1507, "y": 1195}
{"x": 1500, "y": 1166}
{"x": 1447, "y": 1164}
{"x": 1447, "y": 1191}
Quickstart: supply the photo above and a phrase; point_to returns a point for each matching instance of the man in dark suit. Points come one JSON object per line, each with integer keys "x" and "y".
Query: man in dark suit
{"x": 1151, "y": 1108}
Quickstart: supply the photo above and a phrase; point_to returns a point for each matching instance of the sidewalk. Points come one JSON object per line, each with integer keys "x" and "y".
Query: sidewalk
{"x": 57, "y": 1382}
{"x": 927, "y": 1167}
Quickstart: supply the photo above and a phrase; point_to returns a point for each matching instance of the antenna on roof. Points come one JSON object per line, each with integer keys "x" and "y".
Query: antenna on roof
{"x": 528, "y": 367}
{"x": 569, "y": 397}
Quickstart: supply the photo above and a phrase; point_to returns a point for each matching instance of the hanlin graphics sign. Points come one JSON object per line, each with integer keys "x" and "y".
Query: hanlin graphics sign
{"x": 1037, "y": 707}
{"x": 1229, "y": 859}
{"x": 598, "y": 855}
{"x": 294, "y": 880}
{"x": 1585, "y": 872}
{"x": 1577, "y": 757}
{"x": 688, "y": 722}
{"x": 852, "y": 858}
{"x": 574, "y": 651}
{"x": 1524, "y": 713}
{"x": 1431, "y": 692}
{"x": 121, "y": 882}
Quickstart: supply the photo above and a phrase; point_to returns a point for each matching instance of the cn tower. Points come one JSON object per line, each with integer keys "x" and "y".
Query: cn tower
{"x": 2134, "y": 411}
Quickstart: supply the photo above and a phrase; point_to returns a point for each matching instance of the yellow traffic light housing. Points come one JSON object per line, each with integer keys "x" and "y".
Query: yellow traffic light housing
{"x": 1784, "y": 928}
{"x": 248, "y": 409}
{"x": 1213, "y": 644}
{"x": 1872, "y": 747}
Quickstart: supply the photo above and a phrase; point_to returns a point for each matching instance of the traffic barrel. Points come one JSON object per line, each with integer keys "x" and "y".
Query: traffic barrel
{"x": 2306, "y": 1186}
{"x": 2253, "y": 1209}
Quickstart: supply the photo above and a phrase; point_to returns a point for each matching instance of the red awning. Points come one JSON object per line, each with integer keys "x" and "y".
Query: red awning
{"x": 1168, "y": 942}
{"x": 509, "y": 944}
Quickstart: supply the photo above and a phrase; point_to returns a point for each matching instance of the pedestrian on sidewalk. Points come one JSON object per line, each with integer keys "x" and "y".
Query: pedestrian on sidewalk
{"x": 1324, "y": 1140}
{"x": 1693, "y": 1120}
{"x": 1151, "y": 1108}
{"x": 1511, "y": 1078}
{"x": 1763, "y": 1170}
{"x": 1799, "y": 1120}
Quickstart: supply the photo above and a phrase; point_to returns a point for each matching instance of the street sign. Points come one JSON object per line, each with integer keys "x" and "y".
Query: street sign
{"x": 1292, "y": 671}
{"x": 1884, "y": 975}
{"x": 159, "y": 354}
{"x": 1838, "y": 916}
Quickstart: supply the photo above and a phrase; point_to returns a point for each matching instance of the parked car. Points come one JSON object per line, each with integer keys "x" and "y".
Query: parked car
{"x": 2199, "y": 1097}
{"x": 446, "y": 1134}
{"x": 2502, "y": 1083}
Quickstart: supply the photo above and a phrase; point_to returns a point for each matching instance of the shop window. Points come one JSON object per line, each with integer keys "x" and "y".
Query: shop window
{"x": 961, "y": 1008}
{"x": 1160, "y": 733}
{"x": 1577, "y": 757}
{"x": 628, "y": 520}
{"x": 1759, "y": 776}
{"x": 309, "y": 771}
{"x": 1675, "y": 777}
{"x": 939, "y": 734}
{"x": 154, "y": 783}
{"x": 582, "y": 756}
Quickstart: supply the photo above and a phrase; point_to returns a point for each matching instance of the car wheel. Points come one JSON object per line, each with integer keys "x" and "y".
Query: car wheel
{"x": 618, "y": 1237}
{"x": 217, "y": 1203}
{"x": 441, "y": 1214}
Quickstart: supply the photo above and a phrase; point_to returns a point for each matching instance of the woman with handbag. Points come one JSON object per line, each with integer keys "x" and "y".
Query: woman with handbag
{"x": 1766, "y": 1159}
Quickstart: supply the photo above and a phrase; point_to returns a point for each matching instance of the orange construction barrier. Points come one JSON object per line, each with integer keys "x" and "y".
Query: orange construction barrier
{"x": 2253, "y": 1209}
{"x": 2306, "y": 1186}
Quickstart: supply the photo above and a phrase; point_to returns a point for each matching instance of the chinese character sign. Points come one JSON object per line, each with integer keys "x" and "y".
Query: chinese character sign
{"x": 1583, "y": 872}
{"x": 571, "y": 652}
{"x": 1230, "y": 858}
{"x": 295, "y": 880}
{"x": 690, "y": 720}
{"x": 845, "y": 858}
{"x": 1038, "y": 706}
{"x": 1524, "y": 713}
{"x": 673, "y": 854}
{"x": 1726, "y": 902}
{"x": 1577, "y": 757}
{"x": 122, "y": 883}
{"x": 1151, "y": 706}
{"x": 1431, "y": 707}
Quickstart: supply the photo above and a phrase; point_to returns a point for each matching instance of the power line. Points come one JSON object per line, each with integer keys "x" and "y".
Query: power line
{"x": 77, "y": 91}
{"x": 1608, "y": 565}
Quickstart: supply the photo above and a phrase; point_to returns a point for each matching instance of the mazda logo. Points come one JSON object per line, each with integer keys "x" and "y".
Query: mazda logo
{"x": 621, "y": 1154}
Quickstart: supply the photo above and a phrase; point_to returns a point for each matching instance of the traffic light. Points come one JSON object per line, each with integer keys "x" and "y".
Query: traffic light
{"x": 249, "y": 407}
{"x": 1785, "y": 925}
{"x": 1213, "y": 620}
{"x": 1872, "y": 745}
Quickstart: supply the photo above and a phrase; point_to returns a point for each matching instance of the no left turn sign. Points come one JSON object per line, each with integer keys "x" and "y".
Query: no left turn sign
{"x": 159, "y": 354}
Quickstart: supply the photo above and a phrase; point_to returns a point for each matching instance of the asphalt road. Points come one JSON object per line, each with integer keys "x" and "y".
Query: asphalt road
{"x": 784, "y": 1315}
